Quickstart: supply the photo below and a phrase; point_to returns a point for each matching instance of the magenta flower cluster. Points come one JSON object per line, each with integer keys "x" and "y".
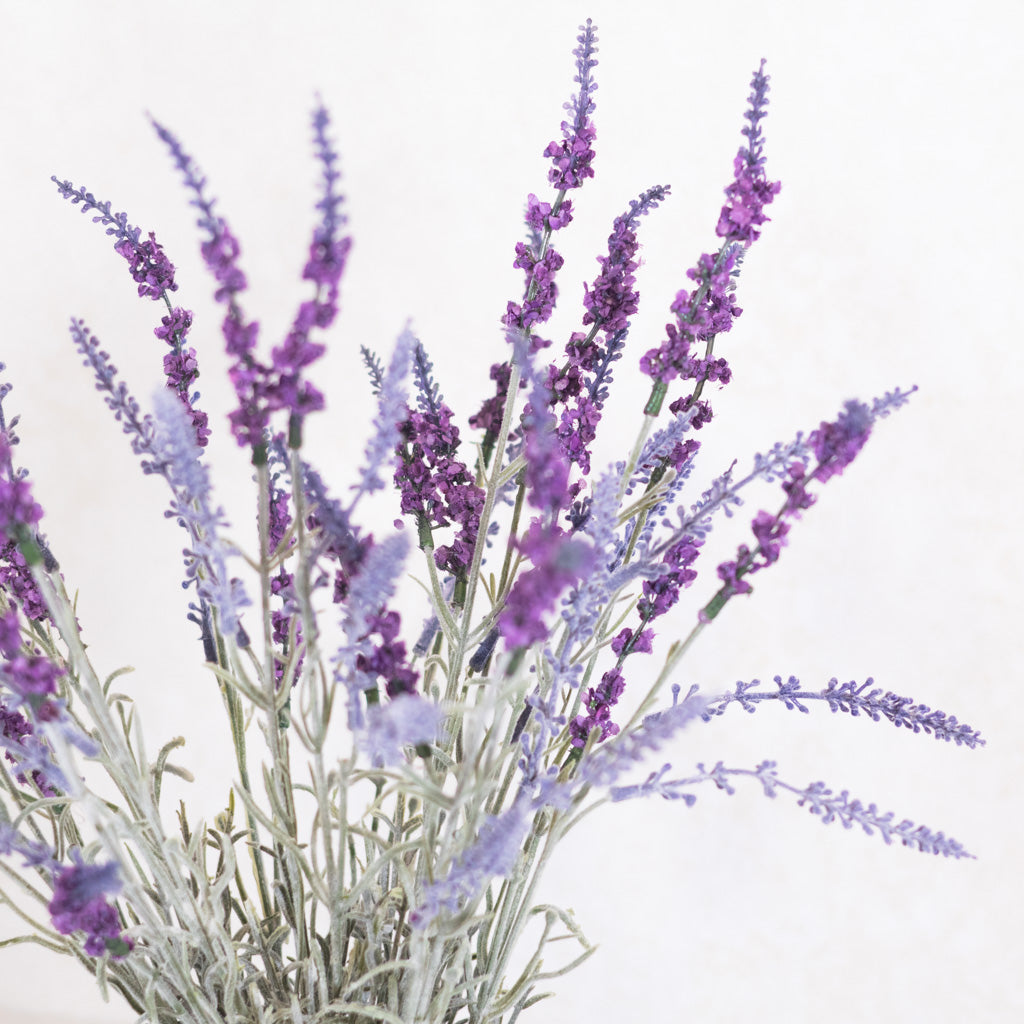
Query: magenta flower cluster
{"x": 835, "y": 444}
{"x": 80, "y": 903}
{"x": 435, "y": 486}
{"x": 709, "y": 308}
{"x": 557, "y": 560}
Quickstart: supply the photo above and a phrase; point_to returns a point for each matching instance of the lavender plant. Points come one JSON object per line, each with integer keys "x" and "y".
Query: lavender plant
{"x": 379, "y": 855}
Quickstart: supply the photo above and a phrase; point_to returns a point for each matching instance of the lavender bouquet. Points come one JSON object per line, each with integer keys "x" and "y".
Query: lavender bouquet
{"x": 377, "y": 859}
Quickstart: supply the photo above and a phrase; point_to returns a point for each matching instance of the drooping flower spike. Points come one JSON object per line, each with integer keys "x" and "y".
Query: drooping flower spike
{"x": 154, "y": 274}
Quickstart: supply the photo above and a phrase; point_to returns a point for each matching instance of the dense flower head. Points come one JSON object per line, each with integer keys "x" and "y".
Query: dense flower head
{"x": 710, "y": 308}
{"x": 154, "y": 273}
{"x": 15, "y": 731}
{"x": 540, "y": 215}
{"x": 660, "y": 594}
{"x": 18, "y": 509}
{"x": 328, "y": 252}
{"x": 31, "y": 680}
{"x": 388, "y": 658}
{"x": 80, "y": 904}
{"x": 612, "y": 299}
{"x": 837, "y": 443}
{"x": 30, "y": 677}
{"x": 750, "y": 191}
{"x": 20, "y": 515}
{"x": 573, "y": 156}
{"x": 181, "y": 367}
{"x": 599, "y": 701}
{"x": 707, "y": 310}
{"x": 17, "y": 581}
{"x": 177, "y": 459}
{"x": 150, "y": 268}
{"x": 435, "y": 485}
{"x": 547, "y": 470}
{"x": 539, "y": 261}
{"x": 148, "y": 263}
{"x": 541, "y": 290}
{"x": 580, "y": 383}
{"x": 284, "y": 618}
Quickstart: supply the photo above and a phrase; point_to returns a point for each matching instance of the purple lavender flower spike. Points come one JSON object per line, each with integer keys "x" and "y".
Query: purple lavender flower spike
{"x": 817, "y": 798}
{"x": 559, "y": 561}
{"x": 154, "y": 273}
{"x": 573, "y": 156}
{"x": 851, "y": 699}
{"x": 391, "y": 412}
{"x": 339, "y": 539}
{"x": 206, "y": 560}
{"x": 604, "y": 765}
{"x": 599, "y": 701}
{"x": 327, "y": 256}
{"x": 35, "y": 853}
{"x": 750, "y": 192}
{"x": 611, "y": 300}
{"x": 26, "y": 750}
{"x": 493, "y": 855}
{"x": 220, "y": 251}
{"x": 406, "y": 721}
{"x": 387, "y": 657}
{"x": 701, "y": 314}
{"x": 125, "y": 408}
{"x": 80, "y": 895}
{"x": 372, "y": 649}
{"x": 547, "y": 469}
{"x": 710, "y": 308}
{"x": 32, "y": 678}
{"x": 19, "y": 511}
{"x": 21, "y": 543}
{"x": 821, "y": 800}
{"x": 835, "y": 445}
{"x": 150, "y": 268}
{"x": 436, "y": 487}
{"x": 540, "y": 262}
{"x": 580, "y": 384}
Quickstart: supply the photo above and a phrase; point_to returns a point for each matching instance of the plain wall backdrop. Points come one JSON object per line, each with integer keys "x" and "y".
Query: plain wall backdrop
{"x": 892, "y": 258}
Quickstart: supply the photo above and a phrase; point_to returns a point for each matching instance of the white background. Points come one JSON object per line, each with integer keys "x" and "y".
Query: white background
{"x": 892, "y": 259}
